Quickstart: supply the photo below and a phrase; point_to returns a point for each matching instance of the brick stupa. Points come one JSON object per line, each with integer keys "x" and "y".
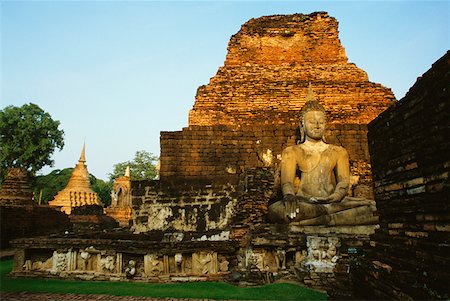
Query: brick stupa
{"x": 78, "y": 191}
{"x": 16, "y": 189}
{"x": 248, "y": 113}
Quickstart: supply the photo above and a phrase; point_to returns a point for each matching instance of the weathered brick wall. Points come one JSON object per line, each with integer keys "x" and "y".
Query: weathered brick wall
{"x": 409, "y": 257}
{"x": 220, "y": 154}
{"x": 184, "y": 208}
{"x": 257, "y": 95}
{"x": 16, "y": 188}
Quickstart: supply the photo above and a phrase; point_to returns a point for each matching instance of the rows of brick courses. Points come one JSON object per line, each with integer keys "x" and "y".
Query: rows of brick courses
{"x": 20, "y": 216}
{"x": 252, "y": 103}
{"x": 16, "y": 189}
{"x": 408, "y": 258}
{"x": 220, "y": 154}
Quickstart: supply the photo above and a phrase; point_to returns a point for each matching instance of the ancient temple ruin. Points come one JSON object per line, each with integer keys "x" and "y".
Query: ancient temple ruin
{"x": 248, "y": 113}
{"x": 409, "y": 255}
{"x": 120, "y": 208}
{"x": 78, "y": 191}
{"x": 20, "y": 215}
{"x": 253, "y": 101}
{"x": 207, "y": 216}
{"x": 16, "y": 189}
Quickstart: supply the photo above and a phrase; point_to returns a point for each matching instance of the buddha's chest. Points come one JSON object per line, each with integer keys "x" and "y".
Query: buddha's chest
{"x": 316, "y": 162}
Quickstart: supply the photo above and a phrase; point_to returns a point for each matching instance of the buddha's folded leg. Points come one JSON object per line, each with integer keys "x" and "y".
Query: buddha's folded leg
{"x": 287, "y": 212}
{"x": 349, "y": 203}
{"x": 362, "y": 215}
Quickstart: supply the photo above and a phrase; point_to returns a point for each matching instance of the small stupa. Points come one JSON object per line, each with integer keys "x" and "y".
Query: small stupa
{"x": 120, "y": 208}
{"x": 78, "y": 191}
{"x": 16, "y": 189}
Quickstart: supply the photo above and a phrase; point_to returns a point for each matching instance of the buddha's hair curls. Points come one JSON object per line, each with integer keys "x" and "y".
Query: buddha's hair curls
{"x": 311, "y": 105}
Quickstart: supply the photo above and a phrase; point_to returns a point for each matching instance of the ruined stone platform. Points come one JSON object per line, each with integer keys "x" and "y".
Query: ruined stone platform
{"x": 121, "y": 255}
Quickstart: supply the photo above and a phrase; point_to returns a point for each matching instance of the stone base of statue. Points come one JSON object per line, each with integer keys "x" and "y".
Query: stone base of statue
{"x": 319, "y": 257}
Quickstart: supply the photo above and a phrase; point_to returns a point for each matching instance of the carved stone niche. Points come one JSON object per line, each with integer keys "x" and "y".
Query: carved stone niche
{"x": 153, "y": 265}
{"x": 208, "y": 262}
{"x": 88, "y": 259}
{"x": 180, "y": 264}
{"x": 38, "y": 260}
{"x": 223, "y": 264}
{"x": 60, "y": 262}
{"x": 322, "y": 254}
{"x": 108, "y": 263}
{"x": 275, "y": 260}
{"x": 266, "y": 260}
{"x": 204, "y": 262}
{"x": 133, "y": 265}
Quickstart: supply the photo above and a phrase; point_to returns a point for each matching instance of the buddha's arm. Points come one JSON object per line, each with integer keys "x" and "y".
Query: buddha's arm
{"x": 288, "y": 167}
{"x": 342, "y": 170}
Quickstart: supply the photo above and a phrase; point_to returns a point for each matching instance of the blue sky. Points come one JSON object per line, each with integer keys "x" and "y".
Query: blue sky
{"x": 116, "y": 73}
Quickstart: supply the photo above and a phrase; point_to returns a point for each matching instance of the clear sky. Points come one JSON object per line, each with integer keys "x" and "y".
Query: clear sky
{"x": 116, "y": 73}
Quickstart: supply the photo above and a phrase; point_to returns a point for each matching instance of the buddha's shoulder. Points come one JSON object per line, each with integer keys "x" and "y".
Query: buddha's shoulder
{"x": 337, "y": 149}
{"x": 291, "y": 149}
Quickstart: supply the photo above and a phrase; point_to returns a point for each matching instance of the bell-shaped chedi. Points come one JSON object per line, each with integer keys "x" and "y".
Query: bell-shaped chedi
{"x": 78, "y": 191}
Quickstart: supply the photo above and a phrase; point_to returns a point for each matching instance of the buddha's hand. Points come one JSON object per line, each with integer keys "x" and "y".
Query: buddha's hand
{"x": 333, "y": 198}
{"x": 290, "y": 205}
{"x": 289, "y": 198}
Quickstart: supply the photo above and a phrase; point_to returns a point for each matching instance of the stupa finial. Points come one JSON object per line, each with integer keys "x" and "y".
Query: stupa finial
{"x": 127, "y": 171}
{"x": 83, "y": 154}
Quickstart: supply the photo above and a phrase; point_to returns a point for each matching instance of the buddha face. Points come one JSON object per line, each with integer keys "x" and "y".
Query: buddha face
{"x": 314, "y": 123}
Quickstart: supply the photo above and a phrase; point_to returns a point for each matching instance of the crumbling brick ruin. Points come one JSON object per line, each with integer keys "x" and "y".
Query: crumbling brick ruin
{"x": 253, "y": 101}
{"x": 408, "y": 257}
{"x": 206, "y": 219}
{"x": 20, "y": 216}
{"x": 248, "y": 114}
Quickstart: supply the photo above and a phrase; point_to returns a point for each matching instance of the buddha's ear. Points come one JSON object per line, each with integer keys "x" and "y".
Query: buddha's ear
{"x": 302, "y": 131}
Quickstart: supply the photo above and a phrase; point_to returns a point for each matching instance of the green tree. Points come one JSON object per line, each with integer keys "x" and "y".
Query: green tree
{"x": 102, "y": 188}
{"x": 142, "y": 167}
{"x": 47, "y": 186}
{"x": 28, "y": 138}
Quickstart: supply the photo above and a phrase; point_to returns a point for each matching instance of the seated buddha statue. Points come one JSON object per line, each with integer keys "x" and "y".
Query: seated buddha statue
{"x": 321, "y": 173}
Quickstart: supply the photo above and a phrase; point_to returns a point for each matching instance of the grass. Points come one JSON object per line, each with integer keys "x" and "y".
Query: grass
{"x": 209, "y": 290}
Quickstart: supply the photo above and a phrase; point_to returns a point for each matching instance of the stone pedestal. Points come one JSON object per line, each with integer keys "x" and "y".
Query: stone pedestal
{"x": 320, "y": 257}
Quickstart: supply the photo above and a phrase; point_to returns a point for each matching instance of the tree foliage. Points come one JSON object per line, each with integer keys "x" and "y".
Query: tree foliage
{"x": 102, "y": 188}
{"x": 49, "y": 185}
{"x": 28, "y": 137}
{"x": 142, "y": 167}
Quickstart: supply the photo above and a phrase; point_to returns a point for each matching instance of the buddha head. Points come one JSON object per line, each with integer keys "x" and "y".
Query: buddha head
{"x": 312, "y": 119}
